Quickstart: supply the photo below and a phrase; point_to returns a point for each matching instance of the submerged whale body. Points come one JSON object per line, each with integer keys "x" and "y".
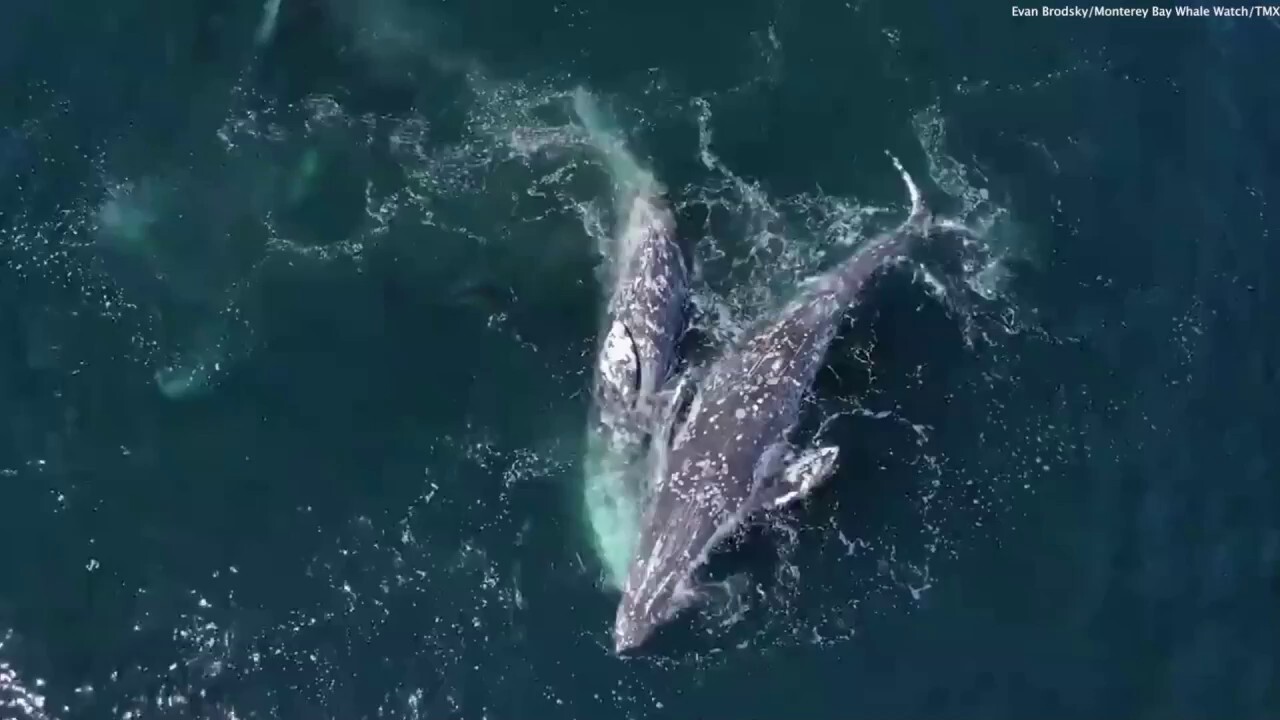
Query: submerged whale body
{"x": 730, "y": 456}
{"x": 636, "y": 354}
{"x": 643, "y": 324}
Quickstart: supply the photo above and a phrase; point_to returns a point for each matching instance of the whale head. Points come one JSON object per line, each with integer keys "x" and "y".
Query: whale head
{"x": 649, "y": 606}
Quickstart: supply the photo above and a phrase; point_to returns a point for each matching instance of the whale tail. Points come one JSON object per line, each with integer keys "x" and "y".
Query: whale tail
{"x": 889, "y": 246}
{"x": 920, "y": 221}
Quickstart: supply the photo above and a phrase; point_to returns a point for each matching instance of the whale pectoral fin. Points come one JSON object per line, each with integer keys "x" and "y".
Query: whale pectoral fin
{"x": 673, "y": 402}
{"x": 673, "y": 395}
{"x": 802, "y": 475}
{"x": 805, "y": 473}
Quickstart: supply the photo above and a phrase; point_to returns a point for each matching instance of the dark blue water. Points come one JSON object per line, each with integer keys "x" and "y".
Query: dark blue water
{"x": 295, "y": 338}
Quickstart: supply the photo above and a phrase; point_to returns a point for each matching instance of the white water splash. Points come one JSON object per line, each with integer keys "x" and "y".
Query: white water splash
{"x": 18, "y": 699}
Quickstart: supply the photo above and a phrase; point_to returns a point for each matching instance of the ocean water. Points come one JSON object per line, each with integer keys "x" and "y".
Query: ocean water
{"x": 298, "y": 301}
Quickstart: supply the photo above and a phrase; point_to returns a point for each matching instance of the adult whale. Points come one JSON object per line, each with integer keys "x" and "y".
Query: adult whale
{"x": 636, "y": 355}
{"x": 730, "y": 456}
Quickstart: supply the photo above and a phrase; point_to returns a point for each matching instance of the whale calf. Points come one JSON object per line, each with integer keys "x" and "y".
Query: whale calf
{"x": 730, "y": 456}
{"x": 643, "y": 322}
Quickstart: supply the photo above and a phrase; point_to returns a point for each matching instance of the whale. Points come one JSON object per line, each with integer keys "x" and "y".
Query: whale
{"x": 730, "y": 455}
{"x": 637, "y": 347}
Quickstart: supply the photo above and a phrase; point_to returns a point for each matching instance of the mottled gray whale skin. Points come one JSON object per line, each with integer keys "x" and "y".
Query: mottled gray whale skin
{"x": 643, "y": 324}
{"x": 636, "y": 355}
{"x": 730, "y": 456}
{"x": 641, "y": 328}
